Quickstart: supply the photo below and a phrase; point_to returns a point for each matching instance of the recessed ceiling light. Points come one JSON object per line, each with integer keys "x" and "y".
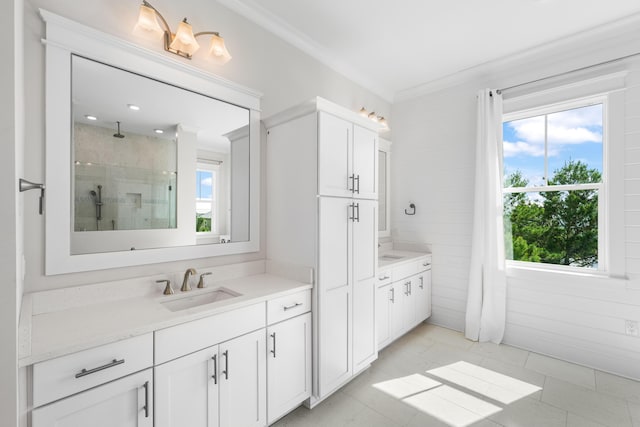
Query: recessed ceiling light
{"x": 133, "y": 107}
{"x": 90, "y": 117}
{"x": 158, "y": 131}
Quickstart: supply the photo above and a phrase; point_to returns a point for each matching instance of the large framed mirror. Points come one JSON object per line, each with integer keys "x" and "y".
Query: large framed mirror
{"x": 384, "y": 182}
{"x": 148, "y": 160}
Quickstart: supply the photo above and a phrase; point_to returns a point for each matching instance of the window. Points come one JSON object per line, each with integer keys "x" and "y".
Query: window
{"x": 206, "y": 198}
{"x": 554, "y": 184}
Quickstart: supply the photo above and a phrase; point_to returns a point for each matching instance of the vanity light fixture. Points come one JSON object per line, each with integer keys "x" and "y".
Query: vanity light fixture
{"x": 183, "y": 42}
{"x": 374, "y": 117}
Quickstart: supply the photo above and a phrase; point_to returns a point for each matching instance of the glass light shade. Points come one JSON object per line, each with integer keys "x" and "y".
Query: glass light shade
{"x": 184, "y": 41}
{"x": 147, "y": 25}
{"x": 218, "y": 50}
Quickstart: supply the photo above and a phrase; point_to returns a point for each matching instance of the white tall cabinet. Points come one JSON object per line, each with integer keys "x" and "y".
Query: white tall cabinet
{"x": 322, "y": 213}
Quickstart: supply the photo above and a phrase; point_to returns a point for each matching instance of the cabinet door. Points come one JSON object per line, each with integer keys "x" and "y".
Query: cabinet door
{"x": 396, "y": 313}
{"x": 334, "y": 255}
{"x": 365, "y": 347}
{"x": 335, "y": 141}
{"x": 365, "y": 162}
{"x": 334, "y": 340}
{"x": 288, "y": 365}
{"x": 186, "y": 391}
{"x": 422, "y": 291}
{"x": 408, "y": 303}
{"x": 383, "y": 301}
{"x": 127, "y": 402}
{"x": 242, "y": 382}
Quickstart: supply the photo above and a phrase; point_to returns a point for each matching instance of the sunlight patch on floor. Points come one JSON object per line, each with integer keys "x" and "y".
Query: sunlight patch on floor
{"x": 452, "y": 406}
{"x": 406, "y": 386}
{"x": 499, "y": 387}
{"x": 449, "y": 403}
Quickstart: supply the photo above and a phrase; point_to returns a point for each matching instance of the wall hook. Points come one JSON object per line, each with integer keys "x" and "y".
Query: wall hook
{"x": 412, "y": 207}
{"x": 25, "y": 185}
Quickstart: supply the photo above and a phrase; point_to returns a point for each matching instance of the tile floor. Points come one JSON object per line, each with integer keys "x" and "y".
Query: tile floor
{"x": 435, "y": 377}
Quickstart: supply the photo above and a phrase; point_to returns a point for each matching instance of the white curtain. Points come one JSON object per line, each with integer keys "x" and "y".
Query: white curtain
{"x": 486, "y": 300}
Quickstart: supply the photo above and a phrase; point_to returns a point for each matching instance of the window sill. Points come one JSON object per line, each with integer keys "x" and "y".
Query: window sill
{"x": 543, "y": 272}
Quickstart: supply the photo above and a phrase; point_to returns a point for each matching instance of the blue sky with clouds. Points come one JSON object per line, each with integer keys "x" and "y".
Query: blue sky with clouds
{"x": 572, "y": 135}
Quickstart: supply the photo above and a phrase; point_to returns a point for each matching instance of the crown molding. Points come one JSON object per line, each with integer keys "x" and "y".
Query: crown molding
{"x": 605, "y": 42}
{"x": 252, "y": 10}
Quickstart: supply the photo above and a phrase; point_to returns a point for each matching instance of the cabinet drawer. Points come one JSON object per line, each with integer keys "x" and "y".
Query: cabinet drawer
{"x": 288, "y": 306}
{"x": 384, "y": 277}
{"x": 188, "y": 337}
{"x": 63, "y": 376}
{"x": 405, "y": 270}
{"x": 424, "y": 264}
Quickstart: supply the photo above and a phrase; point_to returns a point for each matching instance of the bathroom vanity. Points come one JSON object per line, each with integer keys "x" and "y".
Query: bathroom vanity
{"x": 98, "y": 356}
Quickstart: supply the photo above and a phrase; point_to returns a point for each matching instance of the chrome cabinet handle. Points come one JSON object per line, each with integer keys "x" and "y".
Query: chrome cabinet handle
{"x": 146, "y": 399}
{"x": 273, "y": 335}
{"x": 357, "y": 178}
{"x": 215, "y": 369}
{"x": 393, "y": 295}
{"x": 352, "y": 188}
{"x": 357, "y": 208}
{"x": 226, "y": 364}
{"x": 407, "y": 288}
{"x": 421, "y": 282}
{"x": 111, "y": 364}
{"x": 383, "y": 278}
{"x": 289, "y": 307}
{"x": 426, "y": 264}
{"x": 352, "y": 216}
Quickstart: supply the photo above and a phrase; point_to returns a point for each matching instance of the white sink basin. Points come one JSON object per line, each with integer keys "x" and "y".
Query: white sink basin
{"x": 212, "y": 296}
{"x": 390, "y": 257}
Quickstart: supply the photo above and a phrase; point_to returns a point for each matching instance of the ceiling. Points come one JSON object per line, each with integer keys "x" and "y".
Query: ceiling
{"x": 391, "y": 46}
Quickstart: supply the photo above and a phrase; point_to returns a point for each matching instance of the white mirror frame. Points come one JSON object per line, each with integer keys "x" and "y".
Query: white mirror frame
{"x": 385, "y": 145}
{"x": 64, "y": 38}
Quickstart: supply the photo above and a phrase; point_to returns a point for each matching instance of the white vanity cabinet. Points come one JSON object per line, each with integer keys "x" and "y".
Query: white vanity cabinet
{"x": 347, "y": 158}
{"x": 322, "y": 213}
{"x": 288, "y": 365}
{"x": 403, "y": 299}
{"x": 221, "y": 385}
{"x": 126, "y": 402}
{"x": 108, "y": 385}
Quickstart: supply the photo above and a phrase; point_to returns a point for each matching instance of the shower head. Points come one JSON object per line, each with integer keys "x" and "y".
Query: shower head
{"x": 118, "y": 134}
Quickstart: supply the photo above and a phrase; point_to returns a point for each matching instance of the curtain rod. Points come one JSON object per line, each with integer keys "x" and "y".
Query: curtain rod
{"x": 611, "y": 61}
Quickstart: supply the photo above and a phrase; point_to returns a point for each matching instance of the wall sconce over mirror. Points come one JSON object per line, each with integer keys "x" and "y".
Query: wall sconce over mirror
{"x": 183, "y": 42}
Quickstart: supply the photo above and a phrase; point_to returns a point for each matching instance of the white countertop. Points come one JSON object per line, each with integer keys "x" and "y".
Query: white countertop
{"x": 406, "y": 257}
{"x": 49, "y": 334}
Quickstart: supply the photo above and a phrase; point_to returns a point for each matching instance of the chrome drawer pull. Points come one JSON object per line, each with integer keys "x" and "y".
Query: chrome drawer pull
{"x": 383, "y": 278}
{"x": 113, "y": 363}
{"x": 426, "y": 264}
{"x": 289, "y": 307}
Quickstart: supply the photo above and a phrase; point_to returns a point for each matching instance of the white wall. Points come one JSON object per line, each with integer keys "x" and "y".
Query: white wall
{"x": 576, "y": 319}
{"x": 285, "y": 75}
{"x": 10, "y": 218}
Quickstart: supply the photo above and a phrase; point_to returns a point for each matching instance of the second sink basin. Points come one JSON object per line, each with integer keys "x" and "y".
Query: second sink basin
{"x": 212, "y": 296}
{"x": 390, "y": 257}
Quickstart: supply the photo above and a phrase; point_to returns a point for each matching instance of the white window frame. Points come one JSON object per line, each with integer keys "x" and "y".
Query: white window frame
{"x": 602, "y": 187}
{"x": 214, "y": 167}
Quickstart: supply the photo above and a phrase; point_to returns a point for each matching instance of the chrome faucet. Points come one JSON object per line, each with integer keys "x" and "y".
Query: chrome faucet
{"x": 185, "y": 282}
